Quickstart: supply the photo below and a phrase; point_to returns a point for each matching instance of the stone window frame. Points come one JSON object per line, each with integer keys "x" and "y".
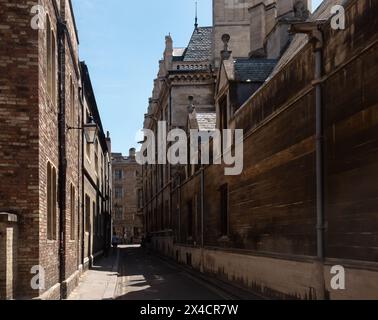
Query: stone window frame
{"x": 88, "y": 148}
{"x": 87, "y": 224}
{"x": 118, "y": 195}
{"x": 116, "y": 176}
{"x": 96, "y": 157}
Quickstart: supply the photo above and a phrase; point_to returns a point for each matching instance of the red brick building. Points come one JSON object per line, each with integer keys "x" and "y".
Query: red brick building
{"x": 41, "y": 149}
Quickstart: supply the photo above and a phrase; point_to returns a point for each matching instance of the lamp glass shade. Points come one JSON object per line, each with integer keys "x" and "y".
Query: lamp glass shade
{"x": 90, "y": 132}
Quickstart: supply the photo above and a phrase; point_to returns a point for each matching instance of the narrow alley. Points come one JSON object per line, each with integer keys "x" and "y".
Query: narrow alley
{"x": 131, "y": 273}
{"x": 188, "y": 150}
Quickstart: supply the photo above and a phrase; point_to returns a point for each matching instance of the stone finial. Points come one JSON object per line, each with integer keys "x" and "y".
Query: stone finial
{"x": 196, "y": 18}
{"x": 225, "y": 53}
{"x": 300, "y": 10}
{"x": 132, "y": 153}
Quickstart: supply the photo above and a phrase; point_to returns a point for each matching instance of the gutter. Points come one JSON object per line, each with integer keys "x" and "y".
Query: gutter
{"x": 314, "y": 30}
{"x": 320, "y": 145}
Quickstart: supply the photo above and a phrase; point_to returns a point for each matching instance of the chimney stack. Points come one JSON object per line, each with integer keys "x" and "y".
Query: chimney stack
{"x": 168, "y": 52}
{"x": 108, "y": 142}
{"x": 132, "y": 153}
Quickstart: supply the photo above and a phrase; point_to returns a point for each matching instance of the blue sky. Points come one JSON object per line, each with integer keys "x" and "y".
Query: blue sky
{"x": 122, "y": 42}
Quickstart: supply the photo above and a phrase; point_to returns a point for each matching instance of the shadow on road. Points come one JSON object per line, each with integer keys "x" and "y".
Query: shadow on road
{"x": 144, "y": 276}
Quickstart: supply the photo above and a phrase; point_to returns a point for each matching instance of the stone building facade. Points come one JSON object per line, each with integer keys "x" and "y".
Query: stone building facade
{"x": 41, "y": 148}
{"x": 128, "y": 219}
{"x": 97, "y": 180}
{"x": 306, "y": 199}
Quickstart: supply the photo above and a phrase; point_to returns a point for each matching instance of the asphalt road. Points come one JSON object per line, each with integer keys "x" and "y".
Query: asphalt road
{"x": 146, "y": 277}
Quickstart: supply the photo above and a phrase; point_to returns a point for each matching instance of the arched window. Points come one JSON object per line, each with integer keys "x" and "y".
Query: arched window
{"x": 49, "y": 200}
{"x": 51, "y": 190}
{"x": 48, "y": 56}
{"x": 73, "y": 211}
{"x": 51, "y": 61}
{"x": 54, "y": 204}
{"x": 72, "y": 102}
{"x": 53, "y": 69}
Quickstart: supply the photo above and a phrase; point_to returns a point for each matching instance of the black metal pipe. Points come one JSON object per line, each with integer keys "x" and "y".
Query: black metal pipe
{"x": 62, "y": 155}
{"x": 202, "y": 205}
{"x": 320, "y": 205}
{"x": 314, "y": 30}
{"x": 202, "y": 218}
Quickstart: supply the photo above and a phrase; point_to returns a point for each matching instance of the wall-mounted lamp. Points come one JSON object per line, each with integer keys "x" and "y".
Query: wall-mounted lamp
{"x": 90, "y": 130}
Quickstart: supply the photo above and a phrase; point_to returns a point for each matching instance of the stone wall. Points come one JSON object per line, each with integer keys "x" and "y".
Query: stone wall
{"x": 8, "y": 255}
{"x": 272, "y": 209}
{"x": 275, "y": 277}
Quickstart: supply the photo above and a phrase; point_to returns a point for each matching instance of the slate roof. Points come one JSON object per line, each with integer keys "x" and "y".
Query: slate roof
{"x": 253, "y": 70}
{"x": 206, "y": 121}
{"x": 178, "y": 52}
{"x": 200, "y": 45}
{"x": 203, "y": 120}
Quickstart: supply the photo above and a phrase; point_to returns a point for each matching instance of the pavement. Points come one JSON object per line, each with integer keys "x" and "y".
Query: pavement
{"x": 131, "y": 273}
{"x": 100, "y": 282}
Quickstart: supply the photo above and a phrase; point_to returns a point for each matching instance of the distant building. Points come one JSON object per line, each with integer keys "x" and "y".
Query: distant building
{"x": 128, "y": 222}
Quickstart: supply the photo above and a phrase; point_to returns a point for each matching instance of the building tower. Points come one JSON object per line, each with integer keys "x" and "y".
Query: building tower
{"x": 250, "y": 22}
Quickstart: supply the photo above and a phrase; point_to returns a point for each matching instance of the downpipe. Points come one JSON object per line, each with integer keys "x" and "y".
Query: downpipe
{"x": 314, "y": 30}
{"x": 320, "y": 201}
{"x": 62, "y": 156}
{"x": 319, "y": 156}
{"x": 202, "y": 218}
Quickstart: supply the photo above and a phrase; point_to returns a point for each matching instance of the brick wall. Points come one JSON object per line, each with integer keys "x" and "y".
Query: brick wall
{"x": 29, "y": 139}
{"x": 19, "y": 136}
{"x": 49, "y": 151}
